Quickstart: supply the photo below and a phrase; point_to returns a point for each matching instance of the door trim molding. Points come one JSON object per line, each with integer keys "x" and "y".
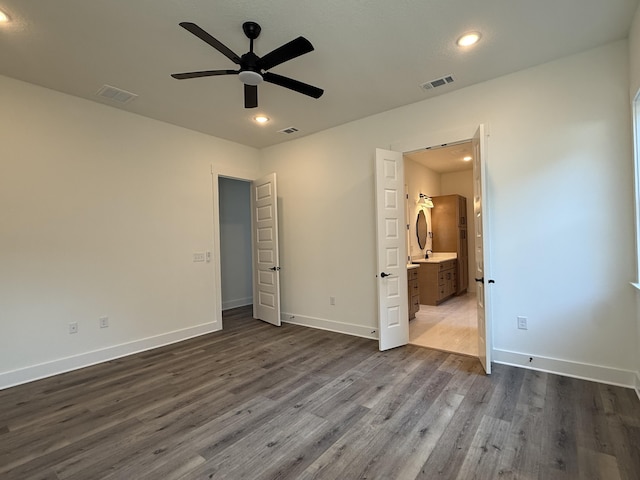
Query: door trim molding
{"x": 216, "y": 173}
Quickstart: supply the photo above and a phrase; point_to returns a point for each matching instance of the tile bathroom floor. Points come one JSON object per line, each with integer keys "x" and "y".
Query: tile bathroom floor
{"x": 450, "y": 327}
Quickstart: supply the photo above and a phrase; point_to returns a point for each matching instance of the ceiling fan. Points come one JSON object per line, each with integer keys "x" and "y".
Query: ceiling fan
{"x": 253, "y": 69}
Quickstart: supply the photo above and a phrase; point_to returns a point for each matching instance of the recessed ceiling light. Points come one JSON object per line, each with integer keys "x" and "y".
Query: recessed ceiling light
{"x": 467, "y": 158}
{"x": 261, "y": 119}
{"x": 4, "y": 18}
{"x": 469, "y": 39}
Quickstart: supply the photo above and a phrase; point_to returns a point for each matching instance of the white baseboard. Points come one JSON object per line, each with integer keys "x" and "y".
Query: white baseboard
{"x": 239, "y": 302}
{"x": 62, "y": 365}
{"x": 584, "y": 371}
{"x": 330, "y": 325}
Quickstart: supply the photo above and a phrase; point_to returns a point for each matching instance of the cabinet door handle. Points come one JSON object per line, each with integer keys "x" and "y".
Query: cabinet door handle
{"x": 481, "y": 280}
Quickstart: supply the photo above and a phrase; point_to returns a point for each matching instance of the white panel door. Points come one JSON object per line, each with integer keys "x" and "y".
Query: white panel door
{"x": 393, "y": 302}
{"x": 483, "y": 290}
{"x": 266, "y": 268}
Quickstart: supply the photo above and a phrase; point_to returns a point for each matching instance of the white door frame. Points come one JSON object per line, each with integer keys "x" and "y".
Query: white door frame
{"x": 216, "y": 173}
{"x": 463, "y": 133}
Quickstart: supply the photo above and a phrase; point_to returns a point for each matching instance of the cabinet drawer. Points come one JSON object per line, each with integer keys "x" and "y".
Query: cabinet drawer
{"x": 412, "y": 274}
{"x": 447, "y": 265}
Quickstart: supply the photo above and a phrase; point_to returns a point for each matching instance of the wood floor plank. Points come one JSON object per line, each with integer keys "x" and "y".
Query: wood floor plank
{"x": 259, "y": 402}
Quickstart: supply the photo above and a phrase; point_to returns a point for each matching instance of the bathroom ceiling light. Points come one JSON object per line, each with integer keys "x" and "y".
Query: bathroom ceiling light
{"x": 425, "y": 201}
{"x": 261, "y": 119}
{"x": 4, "y": 18}
{"x": 469, "y": 39}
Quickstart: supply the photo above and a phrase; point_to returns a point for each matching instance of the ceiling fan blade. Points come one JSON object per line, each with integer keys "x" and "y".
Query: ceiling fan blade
{"x": 215, "y": 43}
{"x": 205, "y": 73}
{"x": 292, "y": 84}
{"x": 286, "y": 52}
{"x": 250, "y": 96}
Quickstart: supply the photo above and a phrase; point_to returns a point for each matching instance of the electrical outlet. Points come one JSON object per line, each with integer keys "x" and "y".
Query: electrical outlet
{"x": 73, "y": 327}
{"x": 104, "y": 322}
{"x": 198, "y": 257}
{"x": 522, "y": 323}
{"x": 332, "y": 300}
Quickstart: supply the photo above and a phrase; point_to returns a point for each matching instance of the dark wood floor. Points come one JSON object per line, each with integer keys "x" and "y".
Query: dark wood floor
{"x": 258, "y": 402}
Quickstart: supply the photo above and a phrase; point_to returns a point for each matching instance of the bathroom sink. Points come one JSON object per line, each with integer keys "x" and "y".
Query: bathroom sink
{"x": 437, "y": 257}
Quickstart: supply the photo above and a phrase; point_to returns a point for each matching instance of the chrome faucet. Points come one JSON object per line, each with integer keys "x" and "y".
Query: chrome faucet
{"x": 426, "y": 253}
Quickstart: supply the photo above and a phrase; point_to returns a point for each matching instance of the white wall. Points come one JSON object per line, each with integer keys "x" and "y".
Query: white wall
{"x": 100, "y": 214}
{"x": 235, "y": 243}
{"x": 419, "y": 179}
{"x": 461, "y": 183}
{"x": 560, "y": 205}
{"x": 634, "y": 58}
{"x": 634, "y": 90}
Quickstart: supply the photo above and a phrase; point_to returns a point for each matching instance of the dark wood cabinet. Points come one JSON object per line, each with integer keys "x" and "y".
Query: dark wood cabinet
{"x": 414, "y": 292}
{"x": 437, "y": 281}
{"x": 450, "y": 234}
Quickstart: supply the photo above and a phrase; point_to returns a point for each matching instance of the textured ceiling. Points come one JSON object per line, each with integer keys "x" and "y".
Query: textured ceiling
{"x": 370, "y": 56}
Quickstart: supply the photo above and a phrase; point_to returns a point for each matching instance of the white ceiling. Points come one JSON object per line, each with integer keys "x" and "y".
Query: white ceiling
{"x": 370, "y": 56}
{"x": 445, "y": 159}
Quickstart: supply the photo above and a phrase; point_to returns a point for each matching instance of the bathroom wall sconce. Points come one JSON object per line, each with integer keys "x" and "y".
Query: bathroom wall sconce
{"x": 425, "y": 201}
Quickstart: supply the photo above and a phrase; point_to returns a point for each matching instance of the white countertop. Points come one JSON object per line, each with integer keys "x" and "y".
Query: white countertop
{"x": 437, "y": 257}
{"x": 412, "y": 265}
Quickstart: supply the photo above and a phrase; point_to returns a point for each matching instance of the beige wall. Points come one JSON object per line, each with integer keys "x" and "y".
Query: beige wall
{"x": 419, "y": 179}
{"x": 557, "y": 139}
{"x": 100, "y": 214}
{"x": 102, "y": 211}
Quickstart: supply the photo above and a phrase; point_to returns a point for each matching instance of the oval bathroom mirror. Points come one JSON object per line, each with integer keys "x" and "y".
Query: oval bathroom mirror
{"x": 421, "y": 229}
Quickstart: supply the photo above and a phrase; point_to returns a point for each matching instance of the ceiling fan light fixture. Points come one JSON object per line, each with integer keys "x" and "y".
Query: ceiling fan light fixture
{"x": 261, "y": 119}
{"x": 250, "y": 78}
{"x": 468, "y": 39}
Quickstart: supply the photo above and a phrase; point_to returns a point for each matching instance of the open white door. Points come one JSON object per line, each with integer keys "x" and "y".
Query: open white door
{"x": 483, "y": 290}
{"x": 266, "y": 269}
{"x": 393, "y": 304}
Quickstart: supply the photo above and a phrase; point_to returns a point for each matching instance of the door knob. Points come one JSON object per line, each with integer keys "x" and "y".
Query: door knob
{"x": 383, "y": 275}
{"x": 275, "y": 269}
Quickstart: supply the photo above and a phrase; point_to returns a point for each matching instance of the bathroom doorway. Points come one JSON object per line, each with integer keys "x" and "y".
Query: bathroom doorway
{"x": 443, "y": 172}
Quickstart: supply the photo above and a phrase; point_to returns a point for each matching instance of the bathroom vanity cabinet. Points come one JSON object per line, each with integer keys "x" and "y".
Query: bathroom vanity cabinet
{"x": 437, "y": 281}
{"x": 449, "y": 220}
{"x": 414, "y": 291}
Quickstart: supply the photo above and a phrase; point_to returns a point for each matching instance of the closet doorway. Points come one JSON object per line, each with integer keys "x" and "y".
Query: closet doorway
{"x": 236, "y": 267}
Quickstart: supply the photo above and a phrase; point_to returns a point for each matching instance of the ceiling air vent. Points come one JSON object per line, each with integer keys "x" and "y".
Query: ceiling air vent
{"x": 288, "y": 130}
{"x": 115, "y": 94}
{"x": 438, "y": 82}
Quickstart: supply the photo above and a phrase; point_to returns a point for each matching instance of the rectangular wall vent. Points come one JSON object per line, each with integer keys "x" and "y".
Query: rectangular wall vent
{"x": 438, "y": 82}
{"x": 115, "y": 94}
{"x": 288, "y": 130}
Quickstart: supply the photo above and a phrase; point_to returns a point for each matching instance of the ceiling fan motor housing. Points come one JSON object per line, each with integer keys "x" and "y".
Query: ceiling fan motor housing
{"x": 249, "y": 77}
